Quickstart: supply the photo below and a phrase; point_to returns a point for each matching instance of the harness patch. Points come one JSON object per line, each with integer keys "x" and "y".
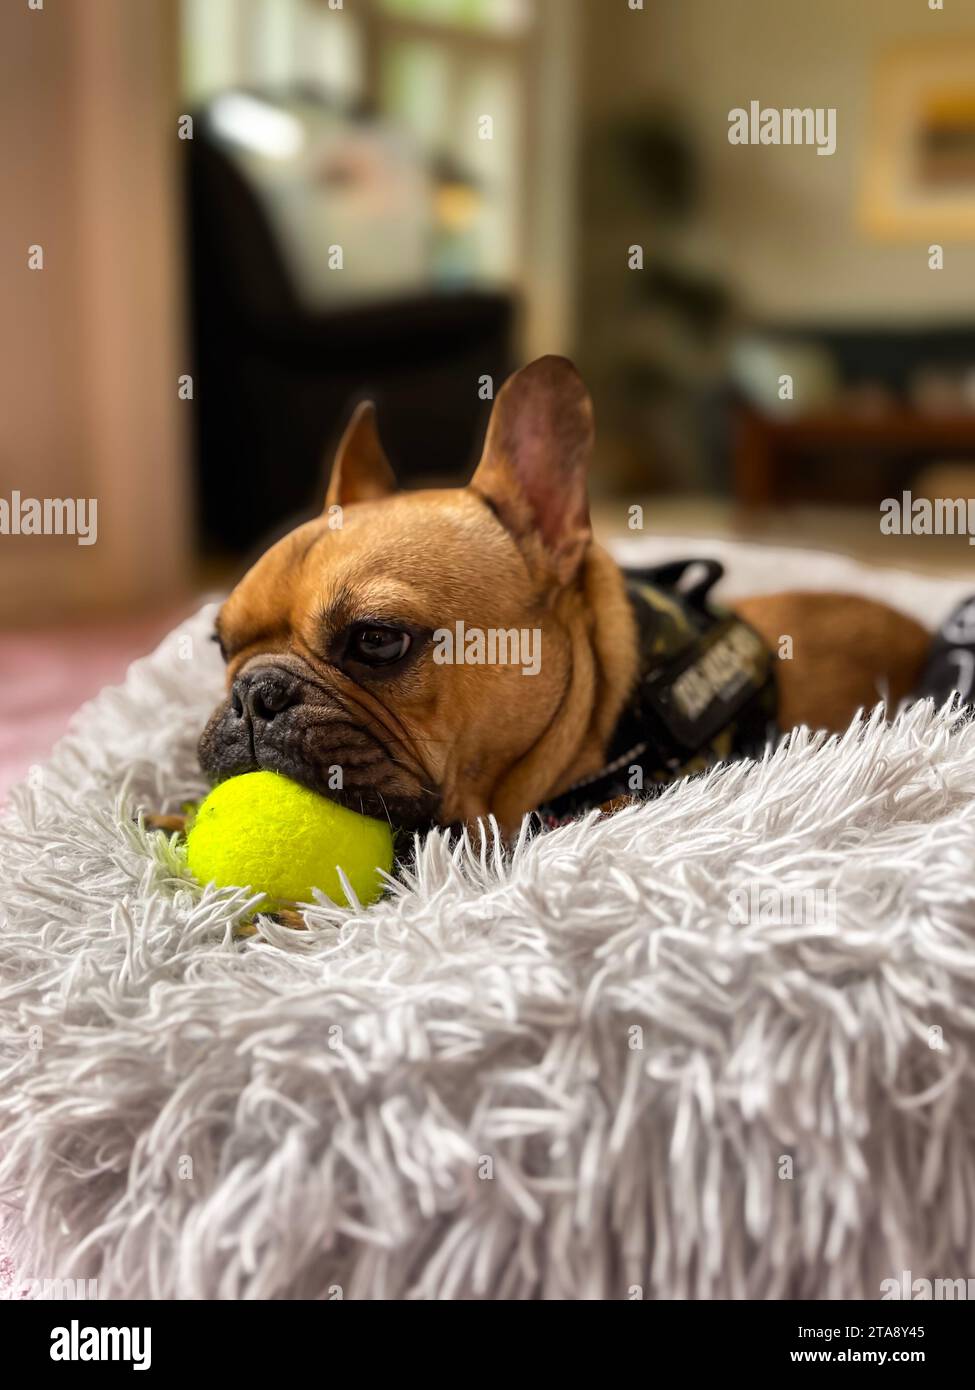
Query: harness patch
{"x": 701, "y": 695}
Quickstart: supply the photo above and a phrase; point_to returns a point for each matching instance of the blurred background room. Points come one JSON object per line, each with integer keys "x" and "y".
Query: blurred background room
{"x": 252, "y": 213}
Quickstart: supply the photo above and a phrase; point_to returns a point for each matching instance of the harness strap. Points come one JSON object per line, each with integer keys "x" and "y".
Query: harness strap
{"x": 706, "y": 692}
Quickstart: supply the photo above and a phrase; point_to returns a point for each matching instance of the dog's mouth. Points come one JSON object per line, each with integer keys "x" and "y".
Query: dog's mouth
{"x": 322, "y": 748}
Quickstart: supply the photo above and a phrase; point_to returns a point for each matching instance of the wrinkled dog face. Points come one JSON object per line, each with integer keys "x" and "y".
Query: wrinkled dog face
{"x": 328, "y": 644}
{"x": 333, "y": 675}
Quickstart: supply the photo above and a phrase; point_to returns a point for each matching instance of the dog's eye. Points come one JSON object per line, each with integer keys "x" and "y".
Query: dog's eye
{"x": 377, "y": 646}
{"x": 215, "y": 637}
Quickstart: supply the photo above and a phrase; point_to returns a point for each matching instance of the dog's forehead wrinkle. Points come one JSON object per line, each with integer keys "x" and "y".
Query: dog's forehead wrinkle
{"x": 411, "y": 578}
{"x": 329, "y": 615}
{"x": 305, "y": 544}
{"x": 434, "y": 513}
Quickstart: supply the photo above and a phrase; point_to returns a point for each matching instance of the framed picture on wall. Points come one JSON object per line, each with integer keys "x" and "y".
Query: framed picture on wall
{"x": 919, "y": 158}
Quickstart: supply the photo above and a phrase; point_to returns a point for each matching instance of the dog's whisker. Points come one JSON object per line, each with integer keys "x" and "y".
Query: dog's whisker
{"x": 429, "y": 791}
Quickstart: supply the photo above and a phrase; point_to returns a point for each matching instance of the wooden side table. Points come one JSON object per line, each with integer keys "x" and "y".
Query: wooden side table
{"x": 763, "y": 443}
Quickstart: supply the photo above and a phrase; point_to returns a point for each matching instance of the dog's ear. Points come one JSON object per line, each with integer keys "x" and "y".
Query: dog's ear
{"x": 361, "y": 471}
{"x": 533, "y": 468}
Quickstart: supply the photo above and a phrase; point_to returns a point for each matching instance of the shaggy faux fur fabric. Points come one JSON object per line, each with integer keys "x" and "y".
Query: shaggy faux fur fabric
{"x": 720, "y": 1045}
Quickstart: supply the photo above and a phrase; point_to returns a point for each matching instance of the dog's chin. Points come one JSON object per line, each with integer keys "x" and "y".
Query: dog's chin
{"x": 222, "y": 758}
{"x": 402, "y": 812}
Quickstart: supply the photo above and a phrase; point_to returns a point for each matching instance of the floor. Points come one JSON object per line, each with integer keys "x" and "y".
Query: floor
{"x": 46, "y": 674}
{"x": 851, "y": 531}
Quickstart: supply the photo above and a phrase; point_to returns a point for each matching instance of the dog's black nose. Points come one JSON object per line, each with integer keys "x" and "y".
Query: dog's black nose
{"x": 262, "y": 695}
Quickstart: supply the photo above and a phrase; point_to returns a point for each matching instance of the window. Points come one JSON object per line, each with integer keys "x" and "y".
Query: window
{"x": 501, "y": 16}
{"x": 468, "y": 85}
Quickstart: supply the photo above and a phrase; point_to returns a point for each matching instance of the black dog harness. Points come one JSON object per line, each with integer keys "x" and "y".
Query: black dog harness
{"x": 706, "y": 692}
{"x": 707, "y": 689}
{"x": 950, "y": 668}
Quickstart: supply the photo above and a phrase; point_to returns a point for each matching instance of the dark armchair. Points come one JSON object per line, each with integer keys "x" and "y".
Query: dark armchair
{"x": 274, "y": 379}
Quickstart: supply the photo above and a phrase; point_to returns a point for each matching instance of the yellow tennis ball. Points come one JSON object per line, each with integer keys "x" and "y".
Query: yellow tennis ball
{"x": 265, "y": 832}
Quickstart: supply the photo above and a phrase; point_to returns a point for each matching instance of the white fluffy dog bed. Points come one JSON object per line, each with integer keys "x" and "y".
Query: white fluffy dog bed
{"x": 570, "y": 1072}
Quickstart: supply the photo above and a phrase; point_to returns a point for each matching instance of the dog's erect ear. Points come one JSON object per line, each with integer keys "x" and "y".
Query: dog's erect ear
{"x": 361, "y": 471}
{"x": 535, "y": 460}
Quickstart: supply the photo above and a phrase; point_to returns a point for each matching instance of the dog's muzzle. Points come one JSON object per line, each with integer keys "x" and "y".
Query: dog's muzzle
{"x": 275, "y": 719}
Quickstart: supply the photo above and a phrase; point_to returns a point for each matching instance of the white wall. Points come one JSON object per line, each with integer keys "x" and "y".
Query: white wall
{"x": 783, "y": 219}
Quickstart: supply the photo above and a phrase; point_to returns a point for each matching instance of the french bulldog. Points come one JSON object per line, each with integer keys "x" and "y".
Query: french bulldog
{"x": 335, "y": 642}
